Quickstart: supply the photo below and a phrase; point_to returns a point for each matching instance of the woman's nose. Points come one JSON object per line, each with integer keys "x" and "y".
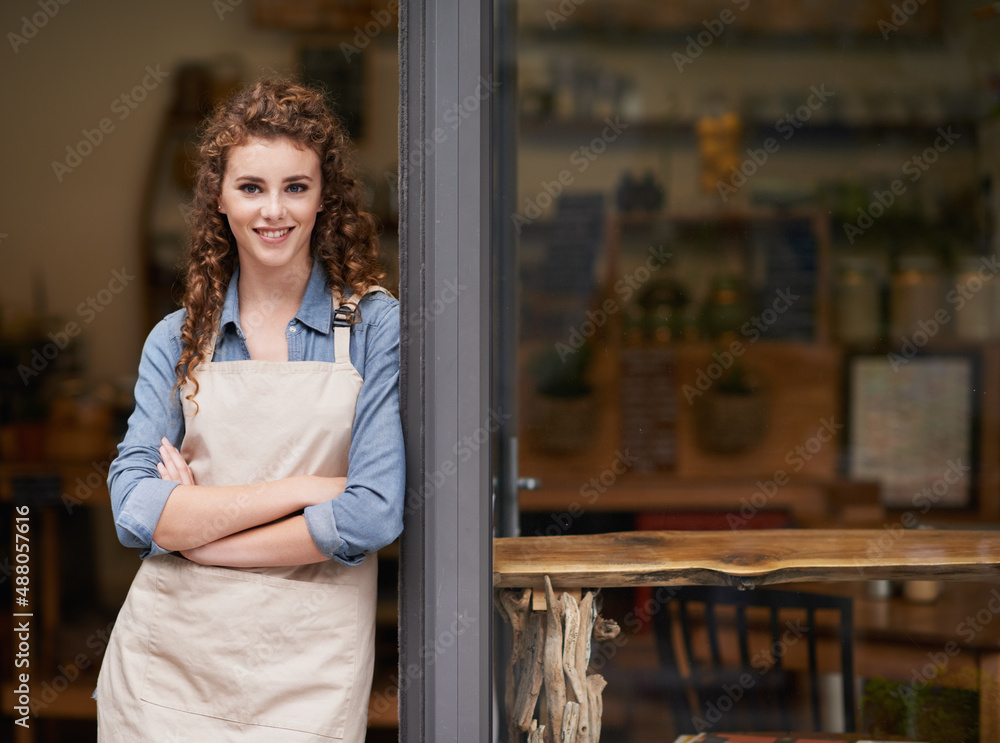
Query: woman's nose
{"x": 274, "y": 207}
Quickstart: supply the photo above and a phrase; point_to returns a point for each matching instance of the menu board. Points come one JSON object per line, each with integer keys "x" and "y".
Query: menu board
{"x": 911, "y": 429}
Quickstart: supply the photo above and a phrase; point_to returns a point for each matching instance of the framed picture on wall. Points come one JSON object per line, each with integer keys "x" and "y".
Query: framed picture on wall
{"x": 911, "y": 428}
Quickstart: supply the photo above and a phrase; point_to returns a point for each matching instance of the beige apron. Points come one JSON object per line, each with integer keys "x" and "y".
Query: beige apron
{"x": 208, "y": 654}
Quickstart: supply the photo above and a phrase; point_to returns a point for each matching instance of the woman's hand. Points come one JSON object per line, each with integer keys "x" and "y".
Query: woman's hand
{"x": 173, "y": 467}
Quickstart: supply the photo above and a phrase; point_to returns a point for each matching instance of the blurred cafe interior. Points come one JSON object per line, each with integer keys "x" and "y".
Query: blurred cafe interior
{"x": 754, "y": 248}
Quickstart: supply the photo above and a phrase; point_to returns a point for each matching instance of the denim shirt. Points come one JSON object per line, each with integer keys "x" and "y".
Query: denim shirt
{"x": 369, "y": 513}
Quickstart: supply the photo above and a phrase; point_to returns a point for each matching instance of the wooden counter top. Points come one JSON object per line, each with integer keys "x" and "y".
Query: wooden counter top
{"x": 744, "y": 558}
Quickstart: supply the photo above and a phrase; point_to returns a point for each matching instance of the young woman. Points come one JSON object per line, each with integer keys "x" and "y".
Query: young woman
{"x": 264, "y": 460}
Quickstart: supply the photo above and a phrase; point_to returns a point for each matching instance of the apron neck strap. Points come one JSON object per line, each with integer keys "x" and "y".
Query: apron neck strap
{"x": 211, "y": 349}
{"x": 342, "y": 331}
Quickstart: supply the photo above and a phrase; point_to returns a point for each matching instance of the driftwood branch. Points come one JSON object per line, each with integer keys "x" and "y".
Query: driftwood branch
{"x": 554, "y": 647}
{"x": 574, "y": 675}
{"x": 530, "y": 682}
{"x": 514, "y": 608}
{"x": 555, "y": 682}
{"x": 595, "y": 689}
{"x": 570, "y": 722}
{"x": 606, "y": 629}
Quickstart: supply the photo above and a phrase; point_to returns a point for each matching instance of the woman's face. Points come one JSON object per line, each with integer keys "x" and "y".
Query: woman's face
{"x": 271, "y": 193}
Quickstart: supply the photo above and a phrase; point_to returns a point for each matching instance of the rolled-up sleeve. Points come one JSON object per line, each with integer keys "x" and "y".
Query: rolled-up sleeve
{"x": 369, "y": 513}
{"x": 137, "y": 492}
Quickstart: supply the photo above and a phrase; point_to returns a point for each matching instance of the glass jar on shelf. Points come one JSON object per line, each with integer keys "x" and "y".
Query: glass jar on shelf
{"x": 974, "y": 300}
{"x": 726, "y": 309}
{"x": 858, "y": 301}
{"x": 916, "y": 296}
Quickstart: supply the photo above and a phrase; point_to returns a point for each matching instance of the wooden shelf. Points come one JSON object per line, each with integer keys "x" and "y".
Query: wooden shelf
{"x": 800, "y": 402}
{"x": 828, "y": 134}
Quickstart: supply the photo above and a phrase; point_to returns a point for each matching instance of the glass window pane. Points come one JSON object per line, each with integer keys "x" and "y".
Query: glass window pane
{"x": 756, "y": 249}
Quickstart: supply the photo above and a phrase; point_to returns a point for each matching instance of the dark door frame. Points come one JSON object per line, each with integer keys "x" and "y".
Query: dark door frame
{"x": 444, "y": 191}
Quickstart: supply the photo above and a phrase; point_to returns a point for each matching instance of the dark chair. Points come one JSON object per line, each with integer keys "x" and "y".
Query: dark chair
{"x": 749, "y": 689}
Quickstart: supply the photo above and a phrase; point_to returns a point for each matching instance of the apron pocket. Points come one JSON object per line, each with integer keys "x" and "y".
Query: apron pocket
{"x": 252, "y": 648}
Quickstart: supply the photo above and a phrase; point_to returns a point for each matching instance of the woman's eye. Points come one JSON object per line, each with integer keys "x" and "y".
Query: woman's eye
{"x": 250, "y": 188}
{"x": 298, "y": 187}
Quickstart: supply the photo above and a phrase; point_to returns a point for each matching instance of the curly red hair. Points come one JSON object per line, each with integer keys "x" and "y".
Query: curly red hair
{"x": 344, "y": 237}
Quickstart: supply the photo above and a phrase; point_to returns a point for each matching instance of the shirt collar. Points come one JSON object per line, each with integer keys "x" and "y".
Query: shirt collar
{"x": 316, "y": 309}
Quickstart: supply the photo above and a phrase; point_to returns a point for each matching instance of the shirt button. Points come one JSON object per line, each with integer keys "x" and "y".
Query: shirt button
{"x": 292, "y": 329}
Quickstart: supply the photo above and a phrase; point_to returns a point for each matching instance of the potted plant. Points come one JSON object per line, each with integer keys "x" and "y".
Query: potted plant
{"x": 731, "y": 417}
{"x": 563, "y": 413}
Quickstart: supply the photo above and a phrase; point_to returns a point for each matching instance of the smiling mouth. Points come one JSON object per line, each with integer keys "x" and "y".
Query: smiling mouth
{"x": 273, "y": 234}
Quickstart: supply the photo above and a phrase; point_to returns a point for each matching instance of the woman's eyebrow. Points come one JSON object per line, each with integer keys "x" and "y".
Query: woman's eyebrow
{"x": 258, "y": 179}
